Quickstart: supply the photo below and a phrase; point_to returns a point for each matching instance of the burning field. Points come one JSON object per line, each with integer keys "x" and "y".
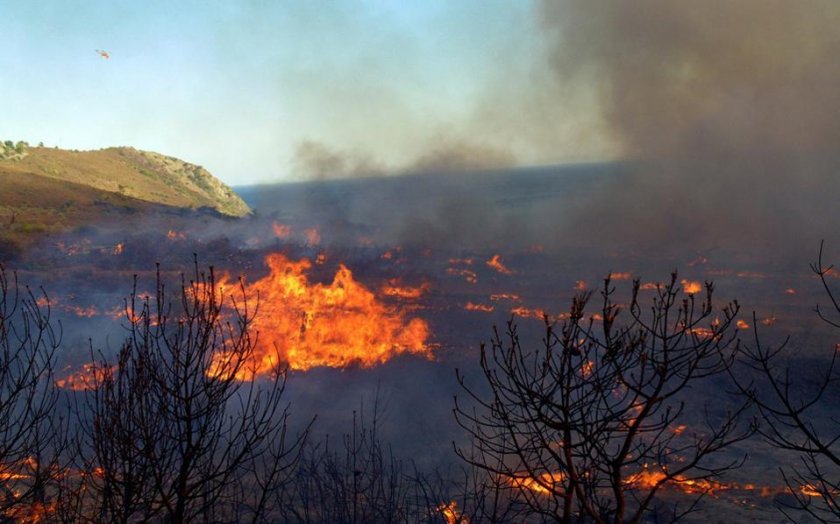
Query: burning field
{"x": 360, "y": 303}
{"x": 416, "y": 326}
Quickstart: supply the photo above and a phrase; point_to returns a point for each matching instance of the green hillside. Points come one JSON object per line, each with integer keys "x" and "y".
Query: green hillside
{"x": 142, "y": 175}
{"x": 44, "y": 190}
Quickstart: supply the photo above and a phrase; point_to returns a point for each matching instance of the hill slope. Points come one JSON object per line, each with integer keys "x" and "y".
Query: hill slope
{"x": 45, "y": 191}
{"x": 126, "y": 171}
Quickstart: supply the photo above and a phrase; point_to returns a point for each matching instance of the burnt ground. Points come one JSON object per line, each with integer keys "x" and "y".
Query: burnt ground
{"x": 439, "y": 232}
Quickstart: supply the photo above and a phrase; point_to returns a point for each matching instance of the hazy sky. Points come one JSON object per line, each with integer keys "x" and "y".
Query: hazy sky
{"x": 265, "y": 90}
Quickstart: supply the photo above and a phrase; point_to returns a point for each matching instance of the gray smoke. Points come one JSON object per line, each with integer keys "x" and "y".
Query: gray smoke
{"x": 730, "y": 108}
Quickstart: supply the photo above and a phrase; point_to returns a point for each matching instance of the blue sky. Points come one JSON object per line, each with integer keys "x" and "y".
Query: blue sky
{"x": 238, "y": 86}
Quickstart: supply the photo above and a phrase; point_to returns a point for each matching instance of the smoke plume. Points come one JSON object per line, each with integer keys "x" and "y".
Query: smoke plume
{"x": 730, "y": 108}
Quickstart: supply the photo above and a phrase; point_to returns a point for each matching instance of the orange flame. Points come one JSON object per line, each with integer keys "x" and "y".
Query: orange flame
{"x": 648, "y": 478}
{"x": 742, "y": 324}
{"x": 60, "y": 304}
{"x": 703, "y": 332}
{"x": 84, "y": 312}
{"x": 86, "y": 378}
{"x": 625, "y": 275}
{"x": 451, "y": 515}
{"x": 522, "y": 311}
{"x": 544, "y": 484}
{"x": 32, "y": 513}
{"x": 471, "y": 306}
{"x": 394, "y": 289}
{"x": 119, "y": 248}
{"x": 23, "y": 469}
{"x": 336, "y": 325}
{"x": 691, "y": 287}
{"x": 496, "y": 264}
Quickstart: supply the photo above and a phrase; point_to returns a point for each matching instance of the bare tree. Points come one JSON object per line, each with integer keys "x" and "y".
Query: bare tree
{"x": 356, "y": 480}
{"x": 591, "y": 426}
{"x": 180, "y": 428}
{"x": 793, "y": 413}
{"x": 31, "y": 432}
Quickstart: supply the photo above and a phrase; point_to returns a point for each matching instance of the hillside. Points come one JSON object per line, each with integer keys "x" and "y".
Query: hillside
{"x": 141, "y": 175}
{"x": 47, "y": 190}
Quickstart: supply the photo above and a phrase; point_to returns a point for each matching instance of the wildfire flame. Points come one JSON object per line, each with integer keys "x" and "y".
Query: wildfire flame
{"x": 472, "y": 306}
{"x": 338, "y": 324}
{"x": 648, "y": 478}
{"x": 84, "y": 379}
{"x": 522, "y": 311}
{"x": 394, "y": 289}
{"x": 691, "y": 287}
{"x": 543, "y": 485}
{"x": 451, "y": 515}
{"x": 60, "y": 304}
{"x": 496, "y": 264}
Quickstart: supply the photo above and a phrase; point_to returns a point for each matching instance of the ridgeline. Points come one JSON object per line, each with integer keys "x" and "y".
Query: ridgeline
{"x": 46, "y": 190}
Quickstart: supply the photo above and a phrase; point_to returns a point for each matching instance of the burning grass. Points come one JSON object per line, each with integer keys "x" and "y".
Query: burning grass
{"x": 336, "y": 324}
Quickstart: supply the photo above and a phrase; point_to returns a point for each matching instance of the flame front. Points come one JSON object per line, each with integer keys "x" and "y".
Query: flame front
{"x": 477, "y": 306}
{"x": 496, "y": 264}
{"x": 336, "y": 325}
